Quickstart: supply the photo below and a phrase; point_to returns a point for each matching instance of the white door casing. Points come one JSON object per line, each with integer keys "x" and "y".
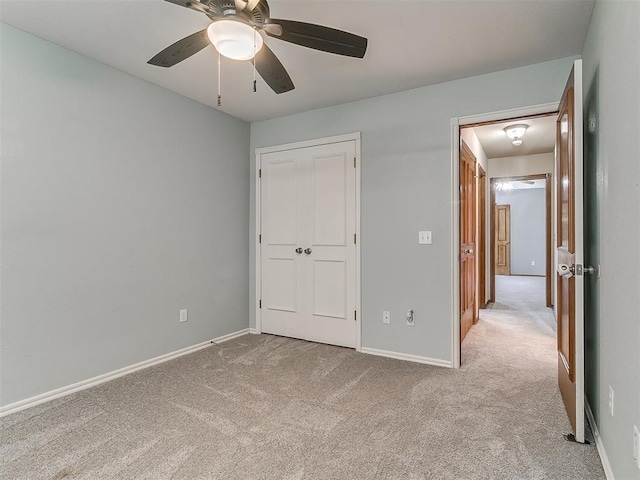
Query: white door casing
{"x": 307, "y": 258}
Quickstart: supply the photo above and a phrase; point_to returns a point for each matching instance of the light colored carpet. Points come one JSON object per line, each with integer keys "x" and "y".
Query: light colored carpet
{"x": 265, "y": 407}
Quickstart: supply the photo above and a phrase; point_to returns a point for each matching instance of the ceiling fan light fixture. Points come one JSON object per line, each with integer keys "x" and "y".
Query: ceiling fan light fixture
{"x": 235, "y": 39}
{"x": 515, "y": 132}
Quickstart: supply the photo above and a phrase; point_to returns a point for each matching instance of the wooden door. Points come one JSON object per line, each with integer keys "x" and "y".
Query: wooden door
{"x": 569, "y": 251}
{"x": 467, "y": 240}
{"x": 307, "y": 245}
{"x": 503, "y": 239}
{"x": 482, "y": 239}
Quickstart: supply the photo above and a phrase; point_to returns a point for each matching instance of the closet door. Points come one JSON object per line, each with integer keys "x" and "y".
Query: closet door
{"x": 330, "y": 227}
{"x": 281, "y": 248}
{"x": 308, "y": 247}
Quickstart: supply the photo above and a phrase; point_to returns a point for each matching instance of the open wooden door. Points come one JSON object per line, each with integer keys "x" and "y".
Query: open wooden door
{"x": 467, "y": 240}
{"x": 569, "y": 249}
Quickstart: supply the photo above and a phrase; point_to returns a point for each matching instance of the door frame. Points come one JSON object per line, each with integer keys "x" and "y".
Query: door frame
{"x": 356, "y": 137}
{"x": 549, "y": 277}
{"x": 481, "y": 242}
{"x": 456, "y": 124}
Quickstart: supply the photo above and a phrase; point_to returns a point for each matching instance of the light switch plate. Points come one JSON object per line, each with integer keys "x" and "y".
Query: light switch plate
{"x": 183, "y": 315}
{"x": 424, "y": 237}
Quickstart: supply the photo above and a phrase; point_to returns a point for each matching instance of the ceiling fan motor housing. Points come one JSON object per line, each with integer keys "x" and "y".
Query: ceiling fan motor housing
{"x": 220, "y": 8}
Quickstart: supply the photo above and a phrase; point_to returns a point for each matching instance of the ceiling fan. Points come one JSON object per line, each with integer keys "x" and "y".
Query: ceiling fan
{"x": 235, "y": 31}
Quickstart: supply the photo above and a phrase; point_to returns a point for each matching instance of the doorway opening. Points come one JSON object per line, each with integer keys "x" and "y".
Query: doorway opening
{"x": 527, "y": 200}
{"x": 506, "y": 226}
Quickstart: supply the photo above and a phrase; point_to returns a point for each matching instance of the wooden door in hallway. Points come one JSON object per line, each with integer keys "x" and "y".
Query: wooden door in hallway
{"x": 503, "y": 239}
{"x": 569, "y": 251}
{"x": 467, "y": 240}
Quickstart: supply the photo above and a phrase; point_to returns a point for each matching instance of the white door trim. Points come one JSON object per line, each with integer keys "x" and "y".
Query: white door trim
{"x": 456, "y": 123}
{"x": 292, "y": 146}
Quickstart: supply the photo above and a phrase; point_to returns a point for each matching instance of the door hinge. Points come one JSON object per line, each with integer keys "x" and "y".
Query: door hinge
{"x": 260, "y": 303}
{"x": 354, "y": 162}
{"x": 260, "y": 238}
{"x": 354, "y": 238}
{"x": 260, "y": 173}
{"x": 355, "y": 315}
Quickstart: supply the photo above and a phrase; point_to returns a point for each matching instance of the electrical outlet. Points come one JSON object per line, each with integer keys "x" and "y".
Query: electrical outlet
{"x": 636, "y": 446}
{"x": 183, "y": 315}
{"x": 533, "y": 263}
{"x": 410, "y": 320}
{"x": 386, "y": 317}
{"x": 611, "y": 400}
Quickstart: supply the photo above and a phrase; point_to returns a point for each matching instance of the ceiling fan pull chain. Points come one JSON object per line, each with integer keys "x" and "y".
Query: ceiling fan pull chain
{"x": 255, "y": 85}
{"x": 219, "y": 91}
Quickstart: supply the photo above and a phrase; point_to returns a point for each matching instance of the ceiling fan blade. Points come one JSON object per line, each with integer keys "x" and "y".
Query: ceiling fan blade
{"x": 251, "y": 4}
{"x": 196, "y": 5}
{"x": 182, "y": 3}
{"x": 272, "y": 71}
{"x": 320, "y": 38}
{"x": 181, "y": 50}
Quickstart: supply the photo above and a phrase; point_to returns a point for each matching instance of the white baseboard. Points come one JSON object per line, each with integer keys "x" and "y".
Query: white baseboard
{"x": 254, "y": 331}
{"x": 92, "y": 382}
{"x": 406, "y": 356}
{"x": 596, "y": 435}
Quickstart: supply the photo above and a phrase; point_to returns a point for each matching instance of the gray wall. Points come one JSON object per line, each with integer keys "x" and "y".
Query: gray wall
{"x": 612, "y": 174}
{"x": 406, "y": 187}
{"x": 121, "y": 203}
{"x": 528, "y": 229}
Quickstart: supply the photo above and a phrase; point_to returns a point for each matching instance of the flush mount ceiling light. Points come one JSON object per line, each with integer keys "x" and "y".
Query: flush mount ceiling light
{"x": 515, "y": 133}
{"x": 235, "y": 39}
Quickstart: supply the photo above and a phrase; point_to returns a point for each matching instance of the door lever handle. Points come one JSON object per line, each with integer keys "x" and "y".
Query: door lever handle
{"x": 307, "y": 251}
{"x": 299, "y": 250}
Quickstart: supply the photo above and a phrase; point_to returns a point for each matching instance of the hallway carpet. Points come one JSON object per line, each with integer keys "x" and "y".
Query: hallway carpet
{"x": 266, "y": 407}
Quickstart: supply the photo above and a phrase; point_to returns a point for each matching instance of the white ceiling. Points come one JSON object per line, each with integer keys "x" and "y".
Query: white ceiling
{"x": 412, "y": 43}
{"x": 540, "y": 137}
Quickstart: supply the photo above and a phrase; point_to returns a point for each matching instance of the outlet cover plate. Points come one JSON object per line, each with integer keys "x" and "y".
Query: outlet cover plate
{"x": 386, "y": 317}
{"x": 411, "y": 320}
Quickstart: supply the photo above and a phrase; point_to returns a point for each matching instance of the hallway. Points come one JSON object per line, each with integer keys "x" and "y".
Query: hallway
{"x": 512, "y": 352}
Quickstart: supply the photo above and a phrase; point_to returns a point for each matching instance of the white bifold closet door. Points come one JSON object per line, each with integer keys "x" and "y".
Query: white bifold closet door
{"x": 308, "y": 243}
